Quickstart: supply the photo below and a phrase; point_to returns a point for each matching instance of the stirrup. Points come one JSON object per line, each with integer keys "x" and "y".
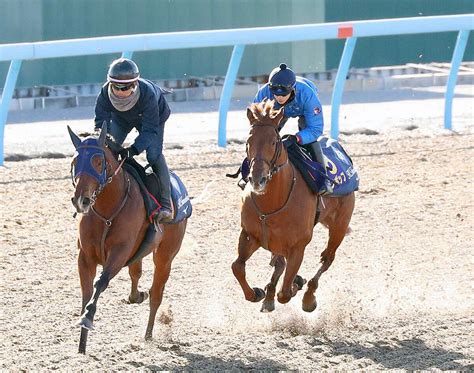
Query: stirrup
{"x": 326, "y": 189}
{"x": 165, "y": 215}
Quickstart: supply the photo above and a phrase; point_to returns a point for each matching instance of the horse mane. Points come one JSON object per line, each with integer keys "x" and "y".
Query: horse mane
{"x": 264, "y": 112}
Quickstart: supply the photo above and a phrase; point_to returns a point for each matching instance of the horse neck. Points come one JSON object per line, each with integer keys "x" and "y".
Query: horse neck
{"x": 111, "y": 197}
{"x": 279, "y": 187}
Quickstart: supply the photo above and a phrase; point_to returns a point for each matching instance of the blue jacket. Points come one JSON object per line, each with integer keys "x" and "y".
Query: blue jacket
{"x": 148, "y": 115}
{"x": 305, "y": 104}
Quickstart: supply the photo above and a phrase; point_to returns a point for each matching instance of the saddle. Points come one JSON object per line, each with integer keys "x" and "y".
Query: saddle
{"x": 340, "y": 168}
{"x": 149, "y": 186}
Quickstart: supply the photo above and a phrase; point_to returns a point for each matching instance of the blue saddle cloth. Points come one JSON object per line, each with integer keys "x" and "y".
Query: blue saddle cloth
{"x": 149, "y": 187}
{"x": 181, "y": 202}
{"x": 340, "y": 168}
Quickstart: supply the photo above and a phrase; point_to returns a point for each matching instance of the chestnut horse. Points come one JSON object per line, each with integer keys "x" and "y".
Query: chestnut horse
{"x": 279, "y": 212}
{"x": 112, "y": 227}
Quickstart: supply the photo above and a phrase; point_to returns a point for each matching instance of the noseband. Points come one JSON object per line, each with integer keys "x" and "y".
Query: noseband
{"x": 273, "y": 168}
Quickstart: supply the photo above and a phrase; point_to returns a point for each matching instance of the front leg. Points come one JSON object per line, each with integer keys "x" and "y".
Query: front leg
{"x": 289, "y": 287}
{"x": 278, "y": 262}
{"x": 87, "y": 271}
{"x": 114, "y": 263}
{"x": 247, "y": 246}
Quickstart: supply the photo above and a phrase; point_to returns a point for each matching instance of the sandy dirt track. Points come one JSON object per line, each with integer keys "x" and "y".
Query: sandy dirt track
{"x": 398, "y": 295}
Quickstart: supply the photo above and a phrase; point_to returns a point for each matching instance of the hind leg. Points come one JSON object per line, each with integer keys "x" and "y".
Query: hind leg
{"x": 135, "y": 272}
{"x": 247, "y": 246}
{"x": 337, "y": 231}
{"x": 162, "y": 258}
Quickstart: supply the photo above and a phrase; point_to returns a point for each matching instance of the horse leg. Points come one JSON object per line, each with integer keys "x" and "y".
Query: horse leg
{"x": 337, "y": 232}
{"x": 247, "y": 246}
{"x": 327, "y": 257}
{"x": 279, "y": 263}
{"x": 112, "y": 266}
{"x": 289, "y": 287}
{"x": 135, "y": 272}
{"x": 162, "y": 258}
{"x": 87, "y": 271}
{"x": 160, "y": 277}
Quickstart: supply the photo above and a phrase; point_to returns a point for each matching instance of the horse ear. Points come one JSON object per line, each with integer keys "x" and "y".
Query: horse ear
{"x": 74, "y": 138}
{"x": 250, "y": 115}
{"x": 279, "y": 116}
{"x": 103, "y": 134}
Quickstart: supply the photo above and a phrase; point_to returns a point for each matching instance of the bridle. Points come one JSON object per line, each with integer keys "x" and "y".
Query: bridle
{"x": 273, "y": 168}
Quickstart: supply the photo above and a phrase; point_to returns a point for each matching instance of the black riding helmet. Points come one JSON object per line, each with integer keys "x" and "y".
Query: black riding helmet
{"x": 123, "y": 71}
{"x": 282, "y": 80}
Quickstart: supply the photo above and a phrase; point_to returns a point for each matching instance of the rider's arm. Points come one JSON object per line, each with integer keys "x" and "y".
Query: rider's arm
{"x": 102, "y": 109}
{"x": 313, "y": 114}
{"x": 151, "y": 122}
{"x": 262, "y": 94}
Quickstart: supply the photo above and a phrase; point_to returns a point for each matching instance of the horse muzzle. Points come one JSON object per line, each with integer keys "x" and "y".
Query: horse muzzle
{"x": 258, "y": 183}
{"x": 82, "y": 204}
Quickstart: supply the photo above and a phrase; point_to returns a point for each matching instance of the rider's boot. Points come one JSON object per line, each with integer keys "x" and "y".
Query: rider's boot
{"x": 317, "y": 155}
{"x": 165, "y": 215}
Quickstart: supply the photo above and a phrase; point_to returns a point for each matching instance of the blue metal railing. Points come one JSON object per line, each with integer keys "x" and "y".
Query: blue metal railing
{"x": 238, "y": 38}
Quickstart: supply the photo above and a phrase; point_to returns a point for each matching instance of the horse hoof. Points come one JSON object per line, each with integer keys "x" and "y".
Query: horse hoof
{"x": 282, "y": 298}
{"x": 310, "y": 308}
{"x": 259, "y": 295}
{"x": 268, "y": 306}
{"x": 309, "y": 303}
{"x": 85, "y": 323}
{"x": 142, "y": 296}
{"x": 299, "y": 281}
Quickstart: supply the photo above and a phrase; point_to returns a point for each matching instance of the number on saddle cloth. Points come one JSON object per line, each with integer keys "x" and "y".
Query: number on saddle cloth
{"x": 339, "y": 166}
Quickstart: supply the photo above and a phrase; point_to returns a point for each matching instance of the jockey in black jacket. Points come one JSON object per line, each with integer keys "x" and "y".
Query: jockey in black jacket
{"x": 127, "y": 101}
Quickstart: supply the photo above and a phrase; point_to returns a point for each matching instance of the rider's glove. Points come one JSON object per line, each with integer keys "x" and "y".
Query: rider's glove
{"x": 128, "y": 152}
{"x": 293, "y": 139}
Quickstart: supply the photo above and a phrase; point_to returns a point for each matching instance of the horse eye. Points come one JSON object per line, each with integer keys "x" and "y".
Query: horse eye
{"x": 96, "y": 161}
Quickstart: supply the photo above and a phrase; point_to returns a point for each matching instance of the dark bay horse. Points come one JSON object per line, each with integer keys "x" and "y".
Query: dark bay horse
{"x": 112, "y": 227}
{"x": 278, "y": 213}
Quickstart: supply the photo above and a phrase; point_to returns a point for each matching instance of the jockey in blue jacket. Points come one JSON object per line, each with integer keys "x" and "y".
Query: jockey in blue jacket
{"x": 127, "y": 101}
{"x": 299, "y": 98}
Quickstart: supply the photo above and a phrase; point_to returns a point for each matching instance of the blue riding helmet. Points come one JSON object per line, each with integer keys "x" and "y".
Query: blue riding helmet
{"x": 282, "y": 80}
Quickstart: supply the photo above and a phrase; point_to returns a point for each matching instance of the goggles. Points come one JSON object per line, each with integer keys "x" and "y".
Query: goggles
{"x": 122, "y": 87}
{"x": 280, "y": 90}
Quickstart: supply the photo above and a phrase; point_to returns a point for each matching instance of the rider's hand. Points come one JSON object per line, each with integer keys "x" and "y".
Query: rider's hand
{"x": 293, "y": 139}
{"x": 128, "y": 152}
